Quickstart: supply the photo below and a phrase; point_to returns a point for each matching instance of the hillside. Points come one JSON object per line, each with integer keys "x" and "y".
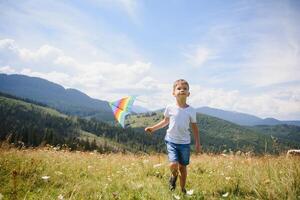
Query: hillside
{"x": 27, "y": 124}
{"x": 285, "y": 134}
{"x": 218, "y": 135}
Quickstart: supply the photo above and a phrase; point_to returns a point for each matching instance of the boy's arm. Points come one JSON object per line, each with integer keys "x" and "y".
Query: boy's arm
{"x": 195, "y": 131}
{"x": 159, "y": 125}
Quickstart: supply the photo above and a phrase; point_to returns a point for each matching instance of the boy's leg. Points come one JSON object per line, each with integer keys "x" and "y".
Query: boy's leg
{"x": 184, "y": 155}
{"x": 173, "y": 178}
{"x": 174, "y": 168}
{"x": 183, "y": 175}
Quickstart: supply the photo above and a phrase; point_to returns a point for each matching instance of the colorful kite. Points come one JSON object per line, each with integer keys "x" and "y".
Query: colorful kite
{"x": 121, "y": 108}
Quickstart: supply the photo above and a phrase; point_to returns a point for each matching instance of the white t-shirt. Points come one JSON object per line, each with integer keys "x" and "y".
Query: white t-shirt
{"x": 180, "y": 119}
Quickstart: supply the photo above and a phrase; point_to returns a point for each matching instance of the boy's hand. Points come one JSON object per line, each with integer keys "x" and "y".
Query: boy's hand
{"x": 198, "y": 148}
{"x": 149, "y": 130}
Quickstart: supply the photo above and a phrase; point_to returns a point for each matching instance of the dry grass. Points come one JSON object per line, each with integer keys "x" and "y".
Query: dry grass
{"x": 78, "y": 175}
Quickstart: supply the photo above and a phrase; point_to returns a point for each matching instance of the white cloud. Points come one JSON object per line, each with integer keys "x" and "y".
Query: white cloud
{"x": 279, "y": 103}
{"x": 46, "y": 53}
{"x": 46, "y": 58}
{"x": 54, "y": 76}
{"x": 7, "y": 70}
{"x": 97, "y": 78}
{"x": 199, "y": 56}
{"x": 110, "y": 81}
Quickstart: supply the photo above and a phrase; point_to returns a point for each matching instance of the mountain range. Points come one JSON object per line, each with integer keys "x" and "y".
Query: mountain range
{"x": 25, "y": 123}
{"x": 243, "y": 118}
{"x": 75, "y": 102}
{"x": 34, "y": 122}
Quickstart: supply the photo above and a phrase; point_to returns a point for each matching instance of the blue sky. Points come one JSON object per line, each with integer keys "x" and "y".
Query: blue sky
{"x": 237, "y": 55}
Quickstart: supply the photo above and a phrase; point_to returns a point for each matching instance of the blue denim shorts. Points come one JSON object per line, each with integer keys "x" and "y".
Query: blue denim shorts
{"x": 178, "y": 153}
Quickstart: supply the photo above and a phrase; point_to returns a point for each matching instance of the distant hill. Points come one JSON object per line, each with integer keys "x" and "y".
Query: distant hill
{"x": 70, "y": 101}
{"x": 243, "y": 118}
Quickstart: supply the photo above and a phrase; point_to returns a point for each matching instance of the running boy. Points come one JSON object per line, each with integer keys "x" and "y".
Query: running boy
{"x": 179, "y": 116}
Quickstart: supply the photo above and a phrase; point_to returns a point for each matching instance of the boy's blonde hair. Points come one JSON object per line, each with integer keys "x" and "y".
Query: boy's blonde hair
{"x": 180, "y": 81}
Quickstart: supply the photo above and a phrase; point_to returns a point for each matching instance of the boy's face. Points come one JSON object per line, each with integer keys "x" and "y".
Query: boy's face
{"x": 181, "y": 90}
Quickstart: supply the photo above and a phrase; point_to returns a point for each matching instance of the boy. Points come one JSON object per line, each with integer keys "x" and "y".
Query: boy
{"x": 179, "y": 116}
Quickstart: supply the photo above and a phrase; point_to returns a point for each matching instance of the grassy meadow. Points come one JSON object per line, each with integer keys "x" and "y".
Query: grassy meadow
{"x": 49, "y": 174}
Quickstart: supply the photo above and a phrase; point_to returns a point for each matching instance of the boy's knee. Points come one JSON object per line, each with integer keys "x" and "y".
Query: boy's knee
{"x": 182, "y": 167}
{"x": 174, "y": 165}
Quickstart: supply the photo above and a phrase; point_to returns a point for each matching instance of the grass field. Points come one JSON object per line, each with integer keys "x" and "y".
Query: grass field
{"x": 49, "y": 174}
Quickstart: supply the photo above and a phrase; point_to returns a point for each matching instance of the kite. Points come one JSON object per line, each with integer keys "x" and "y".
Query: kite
{"x": 121, "y": 108}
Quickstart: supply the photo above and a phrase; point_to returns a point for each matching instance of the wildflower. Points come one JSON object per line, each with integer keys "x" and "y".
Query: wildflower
{"x": 145, "y": 161}
{"x": 60, "y": 197}
{"x": 89, "y": 167}
{"x": 190, "y": 192}
{"x": 45, "y": 178}
{"x": 1, "y": 196}
{"x": 226, "y": 194}
{"x": 227, "y": 178}
{"x": 176, "y": 196}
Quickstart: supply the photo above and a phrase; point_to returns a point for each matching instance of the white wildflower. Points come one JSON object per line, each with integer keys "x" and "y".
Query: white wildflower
{"x": 56, "y": 148}
{"x": 176, "y": 196}
{"x": 227, "y": 178}
{"x": 1, "y": 196}
{"x": 190, "y": 192}
{"x": 145, "y": 161}
{"x": 226, "y": 194}
{"x": 90, "y": 167}
{"x": 45, "y": 178}
{"x": 60, "y": 197}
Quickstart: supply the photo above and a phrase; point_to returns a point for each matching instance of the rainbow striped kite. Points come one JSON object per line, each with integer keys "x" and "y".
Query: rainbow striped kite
{"x": 121, "y": 108}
